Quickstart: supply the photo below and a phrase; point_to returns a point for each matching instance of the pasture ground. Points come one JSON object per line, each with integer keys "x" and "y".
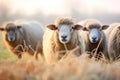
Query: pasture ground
{"x": 70, "y": 68}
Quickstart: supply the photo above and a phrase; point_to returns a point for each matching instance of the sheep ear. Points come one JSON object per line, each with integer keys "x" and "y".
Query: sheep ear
{"x": 18, "y": 27}
{"x": 119, "y": 27}
{"x": 77, "y": 27}
{"x": 52, "y": 27}
{"x": 105, "y": 27}
{"x": 2, "y": 29}
{"x": 84, "y": 29}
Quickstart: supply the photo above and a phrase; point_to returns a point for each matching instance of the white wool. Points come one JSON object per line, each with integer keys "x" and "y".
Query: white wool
{"x": 87, "y": 22}
{"x": 112, "y": 39}
{"x": 47, "y": 44}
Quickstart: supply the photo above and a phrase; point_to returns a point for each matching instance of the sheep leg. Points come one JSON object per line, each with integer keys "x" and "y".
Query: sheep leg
{"x": 19, "y": 56}
{"x": 36, "y": 56}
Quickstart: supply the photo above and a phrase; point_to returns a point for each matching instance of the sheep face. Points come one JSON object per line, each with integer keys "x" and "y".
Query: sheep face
{"x": 64, "y": 31}
{"x": 10, "y": 32}
{"x": 94, "y": 34}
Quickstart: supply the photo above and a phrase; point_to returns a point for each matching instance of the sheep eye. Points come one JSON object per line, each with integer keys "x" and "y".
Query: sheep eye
{"x": 58, "y": 30}
{"x": 7, "y": 30}
{"x": 71, "y": 28}
{"x": 13, "y": 29}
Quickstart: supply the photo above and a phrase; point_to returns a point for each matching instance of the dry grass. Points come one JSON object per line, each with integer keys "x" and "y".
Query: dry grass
{"x": 69, "y": 68}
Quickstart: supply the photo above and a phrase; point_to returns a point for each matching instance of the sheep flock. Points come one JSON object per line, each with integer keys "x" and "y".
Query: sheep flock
{"x": 63, "y": 50}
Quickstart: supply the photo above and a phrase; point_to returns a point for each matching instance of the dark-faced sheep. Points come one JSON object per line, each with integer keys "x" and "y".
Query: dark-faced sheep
{"x": 63, "y": 33}
{"x": 113, "y": 37}
{"x": 23, "y": 36}
{"x": 92, "y": 34}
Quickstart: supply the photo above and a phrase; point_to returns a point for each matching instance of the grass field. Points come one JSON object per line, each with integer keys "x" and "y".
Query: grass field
{"x": 4, "y": 53}
{"x": 70, "y": 68}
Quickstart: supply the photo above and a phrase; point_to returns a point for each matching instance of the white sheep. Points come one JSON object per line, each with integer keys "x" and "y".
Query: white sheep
{"x": 63, "y": 33}
{"x": 113, "y": 39}
{"x": 23, "y": 36}
{"x": 92, "y": 34}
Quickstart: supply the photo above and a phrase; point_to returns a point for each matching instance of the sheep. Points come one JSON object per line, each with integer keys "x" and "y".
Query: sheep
{"x": 92, "y": 34}
{"x": 59, "y": 36}
{"x": 23, "y": 36}
{"x": 113, "y": 37}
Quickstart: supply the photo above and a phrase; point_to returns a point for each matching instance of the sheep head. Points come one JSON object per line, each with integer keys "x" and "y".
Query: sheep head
{"x": 10, "y": 31}
{"x": 94, "y": 32}
{"x": 64, "y": 31}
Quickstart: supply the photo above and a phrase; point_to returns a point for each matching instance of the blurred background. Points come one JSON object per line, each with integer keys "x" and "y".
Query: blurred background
{"x": 46, "y": 11}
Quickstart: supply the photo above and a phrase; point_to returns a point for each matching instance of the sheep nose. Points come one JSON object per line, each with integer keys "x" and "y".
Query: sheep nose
{"x": 63, "y": 38}
{"x": 94, "y": 39}
{"x": 12, "y": 39}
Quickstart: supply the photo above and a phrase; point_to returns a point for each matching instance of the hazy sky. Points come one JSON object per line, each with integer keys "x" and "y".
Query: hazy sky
{"x": 61, "y": 7}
